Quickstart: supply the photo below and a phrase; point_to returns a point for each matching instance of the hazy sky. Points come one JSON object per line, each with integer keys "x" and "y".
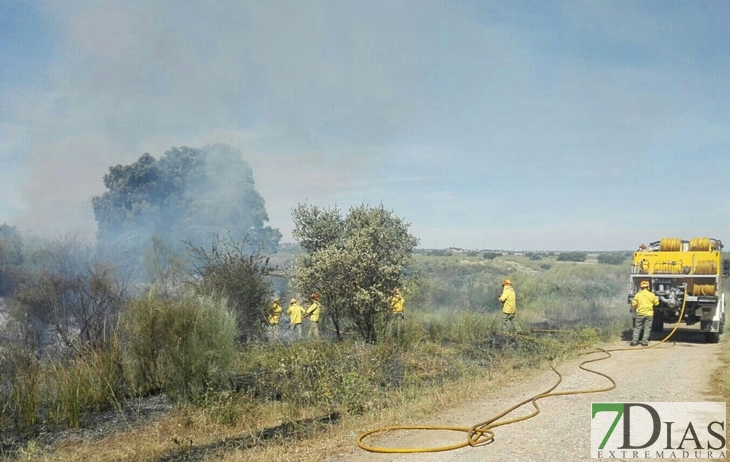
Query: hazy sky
{"x": 517, "y": 125}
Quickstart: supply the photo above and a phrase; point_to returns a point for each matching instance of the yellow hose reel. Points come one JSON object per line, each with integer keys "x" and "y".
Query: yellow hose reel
{"x": 705, "y": 267}
{"x": 703, "y": 289}
{"x": 700, "y": 244}
{"x": 670, "y": 244}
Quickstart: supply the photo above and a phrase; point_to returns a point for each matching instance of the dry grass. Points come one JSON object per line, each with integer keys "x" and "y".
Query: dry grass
{"x": 189, "y": 429}
{"x": 177, "y": 432}
{"x": 229, "y": 426}
{"x": 342, "y": 439}
{"x": 307, "y": 400}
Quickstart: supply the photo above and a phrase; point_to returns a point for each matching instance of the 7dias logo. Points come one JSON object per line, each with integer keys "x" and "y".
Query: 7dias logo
{"x": 658, "y": 430}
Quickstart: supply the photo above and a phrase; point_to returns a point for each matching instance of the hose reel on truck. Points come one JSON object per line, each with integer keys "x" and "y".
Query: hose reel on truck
{"x": 680, "y": 271}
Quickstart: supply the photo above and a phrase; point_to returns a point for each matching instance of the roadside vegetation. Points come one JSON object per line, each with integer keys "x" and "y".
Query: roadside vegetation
{"x": 80, "y": 342}
{"x": 721, "y": 378}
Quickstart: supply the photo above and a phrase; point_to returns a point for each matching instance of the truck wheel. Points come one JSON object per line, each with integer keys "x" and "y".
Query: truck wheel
{"x": 657, "y": 323}
{"x": 712, "y": 337}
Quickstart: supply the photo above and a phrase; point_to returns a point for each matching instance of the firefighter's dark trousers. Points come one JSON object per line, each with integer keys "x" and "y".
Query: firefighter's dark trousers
{"x": 643, "y": 325}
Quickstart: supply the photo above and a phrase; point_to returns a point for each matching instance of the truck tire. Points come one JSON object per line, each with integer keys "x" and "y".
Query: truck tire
{"x": 712, "y": 337}
{"x": 657, "y": 322}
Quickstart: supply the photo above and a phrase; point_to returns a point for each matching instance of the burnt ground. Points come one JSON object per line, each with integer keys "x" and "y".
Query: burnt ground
{"x": 93, "y": 425}
{"x": 289, "y": 430}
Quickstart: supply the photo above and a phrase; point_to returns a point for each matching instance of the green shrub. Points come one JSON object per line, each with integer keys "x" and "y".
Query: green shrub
{"x": 184, "y": 347}
{"x": 573, "y": 256}
{"x": 611, "y": 259}
{"x": 230, "y": 270}
{"x": 355, "y": 392}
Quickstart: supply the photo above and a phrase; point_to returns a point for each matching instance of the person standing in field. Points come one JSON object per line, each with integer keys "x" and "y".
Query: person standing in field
{"x": 397, "y": 310}
{"x": 274, "y": 315}
{"x": 644, "y": 303}
{"x": 509, "y": 306}
{"x": 296, "y": 313}
{"x": 313, "y": 313}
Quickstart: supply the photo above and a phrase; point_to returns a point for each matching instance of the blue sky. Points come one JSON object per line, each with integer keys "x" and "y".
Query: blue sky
{"x": 513, "y": 125}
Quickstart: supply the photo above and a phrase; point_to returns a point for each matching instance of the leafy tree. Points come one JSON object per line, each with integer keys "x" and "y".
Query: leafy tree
{"x": 490, "y": 255}
{"x": 187, "y": 194}
{"x": 354, "y": 262}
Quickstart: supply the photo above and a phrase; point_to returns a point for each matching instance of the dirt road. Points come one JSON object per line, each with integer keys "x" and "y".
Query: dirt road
{"x": 561, "y": 432}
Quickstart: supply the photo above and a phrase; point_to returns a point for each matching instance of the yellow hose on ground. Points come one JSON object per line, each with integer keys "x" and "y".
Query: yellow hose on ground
{"x": 670, "y": 244}
{"x": 482, "y": 433}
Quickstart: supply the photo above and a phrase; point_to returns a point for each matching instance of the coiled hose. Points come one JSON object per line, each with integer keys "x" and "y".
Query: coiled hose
{"x": 670, "y": 244}
{"x": 699, "y": 244}
{"x": 482, "y": 433}
{"x": 668, "y": 267}
{"x": 705, "y": 267}
{"x": 703, "y": 289}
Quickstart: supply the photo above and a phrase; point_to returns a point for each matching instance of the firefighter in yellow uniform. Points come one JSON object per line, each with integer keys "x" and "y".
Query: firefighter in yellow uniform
{"x": 644, "y": 303}
{"x": 296, "y": 313}
{"x": 313, "y": 313}
{"x": 509, "y": 306}
{"x": 397, "y": 310}
{"x": 274, "y": 315}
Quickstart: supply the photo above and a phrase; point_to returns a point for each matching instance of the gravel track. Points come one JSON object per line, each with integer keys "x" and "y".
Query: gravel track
{"x": 678, "y": 371}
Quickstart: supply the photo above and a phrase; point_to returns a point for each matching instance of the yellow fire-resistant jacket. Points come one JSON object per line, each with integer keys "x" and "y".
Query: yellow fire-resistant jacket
{"x": 314, "y": 311}
{"x": 508, "y": 299}
{"x": 644, "y": 302}
{"x": 274, "y": 313}
{"x": 295, "y": 313}
{"x": 397, "y": 304}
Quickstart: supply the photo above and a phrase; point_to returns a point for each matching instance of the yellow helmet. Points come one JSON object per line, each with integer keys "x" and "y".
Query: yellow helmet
{"x": 293, "y": 300}
{"x": 507, "y": 282}
{"x": 644, "y": 285}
